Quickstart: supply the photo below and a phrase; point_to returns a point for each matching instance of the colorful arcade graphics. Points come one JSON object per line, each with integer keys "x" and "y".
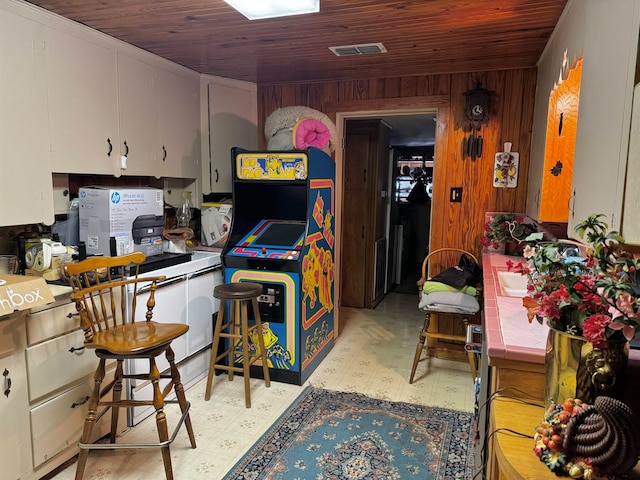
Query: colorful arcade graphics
{"x": 282, "y": 236}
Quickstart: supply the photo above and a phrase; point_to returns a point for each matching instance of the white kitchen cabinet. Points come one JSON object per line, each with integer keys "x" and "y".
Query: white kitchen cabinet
{"x": 232, "y": 122}
{"x": 83, "y": 104}
{"x": 138, "y": 110}
{"x": 57, "y": 424}
{"x": 605, "y": 35}
{"x": 15, "y": 448}
{"x": 179, "y": 118}
{"x": 604, "y": 120}
{"x": 26, "y": 190}
{"x": 60, "y": 378}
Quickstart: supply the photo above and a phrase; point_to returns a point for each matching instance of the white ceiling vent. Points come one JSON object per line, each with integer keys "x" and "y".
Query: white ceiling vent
{"x": 365, "y": 48}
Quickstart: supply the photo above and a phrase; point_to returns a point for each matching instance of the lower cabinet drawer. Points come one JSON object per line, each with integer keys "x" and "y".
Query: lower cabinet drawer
{"x": 58, "y": 362}
{"x": 52, "y": 322}
{"x": 57, "y": 423}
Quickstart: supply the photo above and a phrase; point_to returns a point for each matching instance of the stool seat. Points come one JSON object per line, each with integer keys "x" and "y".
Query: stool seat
{"x": 238, "y": 332}
{"x": 237, "y": 291}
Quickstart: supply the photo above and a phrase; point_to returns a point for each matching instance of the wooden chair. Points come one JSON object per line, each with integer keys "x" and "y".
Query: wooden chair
{"x": 444, "y": 254}
{"x": 107, "y": 316}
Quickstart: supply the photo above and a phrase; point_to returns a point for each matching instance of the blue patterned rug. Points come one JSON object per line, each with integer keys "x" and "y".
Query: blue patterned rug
{"x": 328, "y": 435}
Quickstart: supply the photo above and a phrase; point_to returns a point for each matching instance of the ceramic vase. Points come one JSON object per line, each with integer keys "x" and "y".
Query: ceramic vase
{"x": 499, "y": 249}
{"x": 575, "y": 369}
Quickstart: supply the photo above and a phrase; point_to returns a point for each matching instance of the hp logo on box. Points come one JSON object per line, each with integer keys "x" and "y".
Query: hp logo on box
{"x": 115, "y": 198}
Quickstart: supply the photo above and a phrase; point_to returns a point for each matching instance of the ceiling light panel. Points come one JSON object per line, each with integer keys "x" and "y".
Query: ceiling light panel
{"x": 259, "y": 9}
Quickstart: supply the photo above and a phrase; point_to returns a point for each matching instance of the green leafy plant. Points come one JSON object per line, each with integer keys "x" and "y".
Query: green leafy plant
{"x": 595, "y": 295}
{"x": 506, "y": 227}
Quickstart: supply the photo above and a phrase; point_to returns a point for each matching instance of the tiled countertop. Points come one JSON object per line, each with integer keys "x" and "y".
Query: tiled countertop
{"x": 508, "y": 333}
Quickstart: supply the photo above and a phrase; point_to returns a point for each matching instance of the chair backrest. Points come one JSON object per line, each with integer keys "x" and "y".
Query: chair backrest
{"x": 105, "y": 291}
{"x": 445, "y": 258}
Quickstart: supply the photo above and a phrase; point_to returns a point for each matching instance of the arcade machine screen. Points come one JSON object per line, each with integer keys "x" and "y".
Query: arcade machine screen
{"x": 283, "y": 235}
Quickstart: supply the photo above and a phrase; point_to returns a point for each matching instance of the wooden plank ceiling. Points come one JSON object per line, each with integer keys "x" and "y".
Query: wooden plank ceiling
{"x": 422, "y": 37}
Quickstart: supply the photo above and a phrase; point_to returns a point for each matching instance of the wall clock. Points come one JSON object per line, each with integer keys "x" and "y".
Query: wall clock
{"x": 477, "y": 113}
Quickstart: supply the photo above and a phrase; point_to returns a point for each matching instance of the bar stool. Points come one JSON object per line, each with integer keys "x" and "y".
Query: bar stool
{"x": 117, "y": 331}
{"x": 238, "y": 328}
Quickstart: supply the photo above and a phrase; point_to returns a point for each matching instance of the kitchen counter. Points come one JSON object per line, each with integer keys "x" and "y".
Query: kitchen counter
{"x": 516, "y": 348}
{"x": 508, "y": 333}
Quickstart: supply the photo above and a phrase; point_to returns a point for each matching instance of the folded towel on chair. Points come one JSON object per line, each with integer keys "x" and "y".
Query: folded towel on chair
{"x": 449, "y": 302}
{"x": 431, "y": 286}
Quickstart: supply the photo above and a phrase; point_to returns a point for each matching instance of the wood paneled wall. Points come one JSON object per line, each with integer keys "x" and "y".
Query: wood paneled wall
{"x": 452, "y": 224}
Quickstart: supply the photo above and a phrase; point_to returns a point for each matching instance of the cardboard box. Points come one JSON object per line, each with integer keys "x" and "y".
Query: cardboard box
{"x": 215, "y": 223}
{"x": 131, "y": 218}
{"x": 19, "y": 292}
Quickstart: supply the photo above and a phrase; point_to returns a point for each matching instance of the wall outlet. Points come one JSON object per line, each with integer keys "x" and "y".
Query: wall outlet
{"x": 456, "y": 194}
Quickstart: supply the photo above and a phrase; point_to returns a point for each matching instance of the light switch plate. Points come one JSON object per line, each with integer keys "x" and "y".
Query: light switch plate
{"x": 456, "y": 194}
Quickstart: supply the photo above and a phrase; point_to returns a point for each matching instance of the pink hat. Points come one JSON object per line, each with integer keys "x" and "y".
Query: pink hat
{"x": 309, "y": 132}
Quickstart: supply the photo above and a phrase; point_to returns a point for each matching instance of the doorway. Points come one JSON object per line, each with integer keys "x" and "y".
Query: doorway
{"x": 410, "y": 215}
{"x": 410, "y": 161}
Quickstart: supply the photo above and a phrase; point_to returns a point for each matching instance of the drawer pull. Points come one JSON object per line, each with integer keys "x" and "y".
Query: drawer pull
{"x": 81, "y": 402}
{"x": 7, "y": 382}
{"x": 74, "y": 349}
{"x": 71, "y": 315}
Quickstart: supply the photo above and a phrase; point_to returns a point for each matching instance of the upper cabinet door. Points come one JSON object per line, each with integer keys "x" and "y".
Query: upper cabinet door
{"x": 83, "y": 105}
{"x": 180, "y": 136}
{"x": 139, "y": 147}
{"x": 232, "y": 123}
{"x": 26, "y": 190}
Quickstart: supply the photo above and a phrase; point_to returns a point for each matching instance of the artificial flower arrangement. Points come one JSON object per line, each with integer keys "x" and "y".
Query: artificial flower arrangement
{"x": 506, "y": 227}
{"x": 597, "y": 296}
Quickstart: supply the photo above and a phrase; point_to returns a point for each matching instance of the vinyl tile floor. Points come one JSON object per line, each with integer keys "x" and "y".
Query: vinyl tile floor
{"x": 373, "y": 355}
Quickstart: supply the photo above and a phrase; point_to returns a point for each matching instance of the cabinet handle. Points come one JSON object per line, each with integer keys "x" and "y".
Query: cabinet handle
{"x": 126, "y": 149}
{"x": 164, "y": 153}
{"x": 572, "y": 197}
{"x": 217, "y": 176}
{"x": 110, "y": 147}
{"x": 7, "y": 382}
{"x": 71, "y": 315}
{"x": 81, "y": 402}
{"x": 74, "y": 349}
{"x": 363, "y": 232}
{"x": 364, "y": 176}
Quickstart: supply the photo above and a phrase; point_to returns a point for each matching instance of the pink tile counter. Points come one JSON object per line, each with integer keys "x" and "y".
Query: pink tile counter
{"x": 516, "y": 348}
{"x": 508, "y": 333}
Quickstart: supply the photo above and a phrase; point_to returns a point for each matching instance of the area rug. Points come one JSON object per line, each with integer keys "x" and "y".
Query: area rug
{"x": 327, "y": 435}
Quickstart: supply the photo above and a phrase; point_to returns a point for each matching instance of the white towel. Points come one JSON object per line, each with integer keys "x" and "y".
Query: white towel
{"x": 449, "y": 302}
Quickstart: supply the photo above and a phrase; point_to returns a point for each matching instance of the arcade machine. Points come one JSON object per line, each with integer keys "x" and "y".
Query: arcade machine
{"x": 282, "y": 236}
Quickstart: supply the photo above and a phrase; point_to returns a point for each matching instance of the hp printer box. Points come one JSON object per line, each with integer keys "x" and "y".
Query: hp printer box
{"x": 116, "y": 221}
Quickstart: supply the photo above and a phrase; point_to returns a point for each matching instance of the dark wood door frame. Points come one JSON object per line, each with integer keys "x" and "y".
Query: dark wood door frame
{"x": 340, "y": 111}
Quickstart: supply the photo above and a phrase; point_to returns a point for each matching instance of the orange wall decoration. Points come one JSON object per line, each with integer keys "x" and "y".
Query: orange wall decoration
{"x": 562, "y": 125}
